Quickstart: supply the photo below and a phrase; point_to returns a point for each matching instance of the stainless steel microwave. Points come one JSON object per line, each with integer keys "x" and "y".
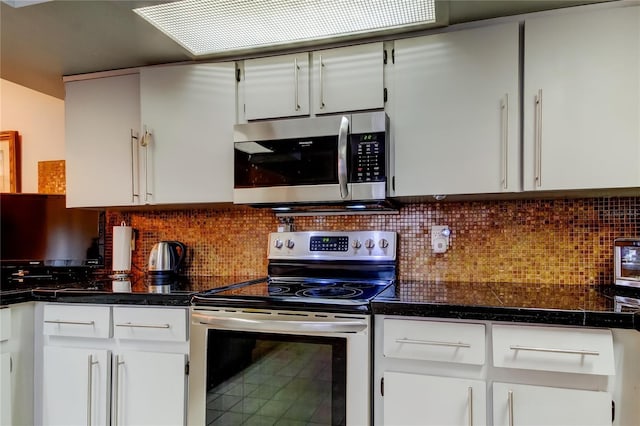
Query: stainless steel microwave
{"x": 626, "y": 255}
{"x": 328, "y": 159}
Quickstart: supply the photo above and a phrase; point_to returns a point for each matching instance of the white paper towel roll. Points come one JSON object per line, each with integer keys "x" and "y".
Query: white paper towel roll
{"x": 121, "y": 248}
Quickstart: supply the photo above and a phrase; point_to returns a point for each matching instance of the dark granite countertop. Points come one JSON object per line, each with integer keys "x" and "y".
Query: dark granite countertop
{"x": 592, "y": 306}
{"x": 143, "y": 291}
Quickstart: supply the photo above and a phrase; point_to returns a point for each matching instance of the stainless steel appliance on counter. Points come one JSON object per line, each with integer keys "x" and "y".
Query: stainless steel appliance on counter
{"x": 328, "y": 159}
{"x": 294, "y": 347}
{"x": 627, "y": 261}
{"x": 165, "y": 259}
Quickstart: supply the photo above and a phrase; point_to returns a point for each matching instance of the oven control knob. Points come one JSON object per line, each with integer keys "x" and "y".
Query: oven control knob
{"x": 383, "y": 243}
{"x": 290, "y": 244}
{"x": 369, "y": 243}
{"x": 278, "y": 244}
{"x": 356, "y": 244}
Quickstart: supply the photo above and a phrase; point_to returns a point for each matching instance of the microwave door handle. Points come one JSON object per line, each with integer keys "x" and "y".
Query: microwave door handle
{"x": 342, "y": 157}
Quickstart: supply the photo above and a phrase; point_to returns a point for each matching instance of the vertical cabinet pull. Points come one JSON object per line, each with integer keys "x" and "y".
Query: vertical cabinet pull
{"x": 116, "y": 387}
{"x": 538, "y": 139}
{"x": 504, "y": 131}
{"x": 296, "y": 69}
{"x": 470, "y": 405}
{"x": 90, "y": 365}
{"x": 510, "y": 407}
{"x": 134, "y": 146}
{"x": 321, "y": 83}
{"x": 145, "y": 142}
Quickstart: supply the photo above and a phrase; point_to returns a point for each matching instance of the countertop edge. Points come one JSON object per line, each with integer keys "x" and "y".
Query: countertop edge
{"x": 625, "y": 320}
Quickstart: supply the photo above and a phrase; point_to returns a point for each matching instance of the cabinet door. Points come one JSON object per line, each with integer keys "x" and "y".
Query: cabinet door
{"x": 149, "y": 388}
{"x": 189, "y": 111}
{"x": 414, "y": 399}
{"x": 6, "y": 417}
{"x": 455, "y": 112}
{"x": 526, "y": 405}
{"x": 102, "y": 162}
{"x": 75, "y": 386}
{"x": 276, "y": 86}
{"x": 348, "y": 78}
{"x": 582, "y": 100}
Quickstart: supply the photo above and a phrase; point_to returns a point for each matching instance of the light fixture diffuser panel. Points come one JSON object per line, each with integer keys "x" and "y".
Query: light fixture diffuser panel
{"x": 213, "y": 26}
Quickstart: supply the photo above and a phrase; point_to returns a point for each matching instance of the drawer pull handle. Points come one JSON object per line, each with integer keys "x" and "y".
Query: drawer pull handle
{"x": 552, "y": 350}
{"x": 70, "y": 322}
{"x": 131, "y": 325}
{"x": 434, "y": 343}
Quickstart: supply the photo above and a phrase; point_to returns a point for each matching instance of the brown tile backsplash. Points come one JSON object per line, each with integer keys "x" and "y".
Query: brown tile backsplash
{"x": 51, "y": 177}
{"x": 562, "y": 241}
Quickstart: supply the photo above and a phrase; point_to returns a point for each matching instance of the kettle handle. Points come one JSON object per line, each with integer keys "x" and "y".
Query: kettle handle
{"x": 182, "y": 254}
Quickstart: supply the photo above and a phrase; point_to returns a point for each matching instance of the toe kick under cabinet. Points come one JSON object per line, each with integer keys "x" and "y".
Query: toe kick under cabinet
{"x": 111, "y": 365}
{"x": 453, "y": 372}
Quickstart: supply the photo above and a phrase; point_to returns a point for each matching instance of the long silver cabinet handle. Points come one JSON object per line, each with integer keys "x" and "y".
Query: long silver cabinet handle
{"x": 538, "y": 139}
{"x": 131, "y": 325}
{"x": 554, "y": 350}
{"x": 510, "y": 407}
{"x": 134, "y": 145}
{"x": 70, "y": 322}
{"x": 434, "y": 343}
{"x": 504, "y": 110}
{"x": 116, "y": 387}
{"x": 145, "y": 142}
{"x": 470, "y": 397}
{"x": 90, "y": 365}
{"x": 296, "y": 68}
{"x": 321, "y": 83}
{"x": 342, "y": 157}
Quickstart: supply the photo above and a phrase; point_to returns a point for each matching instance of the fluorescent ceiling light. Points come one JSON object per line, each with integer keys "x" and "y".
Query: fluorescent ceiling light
{"x": 214, "y": 26}
{"x": 23, "y": 3}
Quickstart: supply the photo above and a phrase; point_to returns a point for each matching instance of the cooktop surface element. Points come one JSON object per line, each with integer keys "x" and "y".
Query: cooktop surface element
{"x": 317, "y": 270}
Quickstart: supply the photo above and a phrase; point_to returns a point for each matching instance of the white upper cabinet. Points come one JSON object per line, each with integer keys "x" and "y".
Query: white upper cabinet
{"x": 582, "y": 100}
{"x": 102, "y": 118}
{"x": 276, "y": 86}
{"x": 336, "y": 80}
{"x": 454, "y": 110}
{"x": 188, "y": 112}
{"x": 348, "y": 78}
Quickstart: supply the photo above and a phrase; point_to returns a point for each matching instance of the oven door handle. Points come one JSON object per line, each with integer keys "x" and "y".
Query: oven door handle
{"x": 279, "y": 325}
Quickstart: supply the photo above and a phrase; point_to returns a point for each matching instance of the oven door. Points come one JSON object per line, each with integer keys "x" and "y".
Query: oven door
{"x": 265, "y": 367}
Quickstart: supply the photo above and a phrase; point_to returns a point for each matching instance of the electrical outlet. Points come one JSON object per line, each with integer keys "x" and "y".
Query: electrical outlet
{"x": 440, "y": 238}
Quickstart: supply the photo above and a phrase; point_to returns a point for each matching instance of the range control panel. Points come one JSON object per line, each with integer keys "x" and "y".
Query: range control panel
{"x": 328, "y": 245}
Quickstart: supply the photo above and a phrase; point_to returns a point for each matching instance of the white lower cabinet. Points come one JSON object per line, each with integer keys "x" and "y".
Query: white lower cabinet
{"x": 76, "y": 385}
{"x": 415, "y": 399}
{"x": 526, "y": 405}
{"x": 432, "y": 372}
{"x": 112, "y": 365}
{"x": 149, "y": 388}
{"x": 16, "y": 364}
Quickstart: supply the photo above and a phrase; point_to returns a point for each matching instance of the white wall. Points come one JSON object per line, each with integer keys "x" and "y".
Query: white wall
{"x": 39, "y": 119}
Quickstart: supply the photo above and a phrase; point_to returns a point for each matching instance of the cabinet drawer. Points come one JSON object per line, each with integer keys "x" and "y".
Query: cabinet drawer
{"x": 434, "y": 341}
{"x": 150, "y": 324}
{"x": 570, "y": 350}
{"x": 5, "y": 324}
{"x": 77, "y": 321}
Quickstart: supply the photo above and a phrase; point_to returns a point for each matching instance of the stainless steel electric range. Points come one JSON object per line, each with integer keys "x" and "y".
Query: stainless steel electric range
{"x": 294, "y": 347}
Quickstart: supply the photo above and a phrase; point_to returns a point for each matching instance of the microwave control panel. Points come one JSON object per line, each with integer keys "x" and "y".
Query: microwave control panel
{"x": 367, "y": 157}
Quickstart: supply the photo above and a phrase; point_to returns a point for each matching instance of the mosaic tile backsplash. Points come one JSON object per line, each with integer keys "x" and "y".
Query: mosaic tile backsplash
{"x": 564, "y": 241}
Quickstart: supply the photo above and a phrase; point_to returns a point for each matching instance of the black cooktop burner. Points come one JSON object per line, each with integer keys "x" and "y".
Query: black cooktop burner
{"x": 330, "y": 292}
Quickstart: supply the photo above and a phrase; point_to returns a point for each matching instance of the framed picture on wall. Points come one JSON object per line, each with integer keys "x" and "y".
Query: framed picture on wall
{"x": 9, "y": 161}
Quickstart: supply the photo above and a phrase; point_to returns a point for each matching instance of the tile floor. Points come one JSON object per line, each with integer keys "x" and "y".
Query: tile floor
{"x": 288, "y": 383}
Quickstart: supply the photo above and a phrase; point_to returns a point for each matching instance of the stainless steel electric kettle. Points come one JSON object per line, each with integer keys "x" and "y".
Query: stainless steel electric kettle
{"x": 166, "y": 257}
